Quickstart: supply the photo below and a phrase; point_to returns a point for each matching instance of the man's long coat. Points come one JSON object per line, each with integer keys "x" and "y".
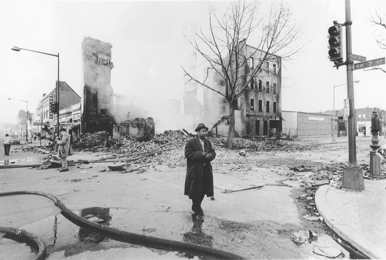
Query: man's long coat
{"x": 64, "y": 146}
{"x": 199, "y": 175}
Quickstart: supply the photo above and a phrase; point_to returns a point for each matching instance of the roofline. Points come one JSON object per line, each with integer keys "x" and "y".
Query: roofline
{"x": 310, "y": 113}
{"x": 54, "y": 89}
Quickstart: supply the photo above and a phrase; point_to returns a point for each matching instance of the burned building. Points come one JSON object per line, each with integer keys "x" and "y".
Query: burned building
{"x": 258, "y": 108}
{"x": 140, "y": 128}
{"x": 260, "y": 104}
{"x": 97, "y": 91}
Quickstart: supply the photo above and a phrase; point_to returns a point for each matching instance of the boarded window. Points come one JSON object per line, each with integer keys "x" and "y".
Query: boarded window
{"x": 267, "y": 86}
{"x": 274, "y": 107}
{"x": 274, "y": 88}
{"x": 267, "y": 106}
{"x": 260, "y": 85}
{"x": 274, "y": 68}
{"x": 260, "y": 105}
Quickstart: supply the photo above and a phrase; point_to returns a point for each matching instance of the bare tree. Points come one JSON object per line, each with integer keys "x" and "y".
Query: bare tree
{"x": 379, "y": 20}
{"x": 223, "y": 48}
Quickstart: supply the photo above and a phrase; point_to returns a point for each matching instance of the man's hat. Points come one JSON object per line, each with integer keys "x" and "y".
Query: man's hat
{"x": 201, "y": 126}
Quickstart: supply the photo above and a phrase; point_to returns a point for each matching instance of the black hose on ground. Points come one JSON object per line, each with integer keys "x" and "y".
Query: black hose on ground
{"x": 128, "y": 237}
{"x": 30, "y": 238}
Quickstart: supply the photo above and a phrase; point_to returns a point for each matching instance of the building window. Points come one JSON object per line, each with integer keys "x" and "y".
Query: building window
{"x": 267, "y": 86}
{"x": 267, "y": 106}
{"x": 267, "y": 66}
{"x": 364, "y": 116}
{"x": 251, "y": 63}
{"x": 252, "y": 83}
{"x": 274, "y": 107}
{"x": 252, "y": 104}
{"x": 274, "y": 88}
{"x": 274, "y": 68}
{"x": 260, "y": 105}
{"x": 359, "y": 116}
{"x": 260, "y": 85}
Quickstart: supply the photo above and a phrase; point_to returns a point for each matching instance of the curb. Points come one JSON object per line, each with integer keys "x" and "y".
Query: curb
{"x": 327, "y": 214}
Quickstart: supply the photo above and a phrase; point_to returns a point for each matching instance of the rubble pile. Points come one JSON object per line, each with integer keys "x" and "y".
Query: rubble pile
{"x": 89, "y": 141}
{"x": 168, "y": 147}
{"x": 266, "y": 144}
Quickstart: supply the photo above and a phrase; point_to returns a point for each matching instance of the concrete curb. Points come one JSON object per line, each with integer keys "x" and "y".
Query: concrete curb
{"x": 11, "y": 166}
{"x": 332, "y": 220}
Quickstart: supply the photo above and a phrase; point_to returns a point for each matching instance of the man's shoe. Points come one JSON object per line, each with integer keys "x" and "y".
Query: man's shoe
{"x": 63, "y": 170}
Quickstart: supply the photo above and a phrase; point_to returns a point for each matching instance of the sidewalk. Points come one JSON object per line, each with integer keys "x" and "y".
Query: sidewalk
{"x": 359, "y": 217}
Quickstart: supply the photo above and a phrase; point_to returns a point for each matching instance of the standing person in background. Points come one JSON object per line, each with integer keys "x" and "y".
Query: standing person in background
{"x": 63, "y": 149}
{"x": 70, "y": 152}
{"x": 7, "y": 144}
{"x": 199, "y": 177}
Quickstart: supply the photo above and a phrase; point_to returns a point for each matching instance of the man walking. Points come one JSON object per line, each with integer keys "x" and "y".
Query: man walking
{"x": 64, "y": 146}
{"x": 7, "y": 144}
{"x": 199, "y": 177}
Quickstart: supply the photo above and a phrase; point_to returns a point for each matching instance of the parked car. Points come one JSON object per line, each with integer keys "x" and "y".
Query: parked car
{"x": 15, "y": 139}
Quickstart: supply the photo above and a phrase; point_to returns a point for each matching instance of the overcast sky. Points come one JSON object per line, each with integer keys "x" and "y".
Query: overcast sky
{"x": 149, "y": 48}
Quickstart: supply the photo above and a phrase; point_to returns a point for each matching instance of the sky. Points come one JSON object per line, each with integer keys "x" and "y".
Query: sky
{"x": 149, "y": 46}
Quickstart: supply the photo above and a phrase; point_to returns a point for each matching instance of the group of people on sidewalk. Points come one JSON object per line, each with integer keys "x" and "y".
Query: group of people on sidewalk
{"x": 63, "y": 147}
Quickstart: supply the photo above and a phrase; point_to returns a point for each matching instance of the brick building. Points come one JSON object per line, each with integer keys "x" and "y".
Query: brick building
{"x": 259, "y": 107}
{"x": 97, "y": 91}
{"x": 69, "y": 107}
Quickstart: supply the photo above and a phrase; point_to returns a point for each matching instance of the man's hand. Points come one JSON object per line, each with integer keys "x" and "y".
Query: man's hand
{"x": 208, "y": 156}
{"x": 204, "y": 154}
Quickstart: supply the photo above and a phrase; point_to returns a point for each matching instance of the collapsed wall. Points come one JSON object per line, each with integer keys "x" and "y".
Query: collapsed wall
{"x": 97, "y": 91}
{"x": 140, "y": 128}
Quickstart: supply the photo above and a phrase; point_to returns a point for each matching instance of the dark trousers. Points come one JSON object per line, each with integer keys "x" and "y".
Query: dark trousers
{"x": 197, "y": 203}
{"x": 7, "y": 148}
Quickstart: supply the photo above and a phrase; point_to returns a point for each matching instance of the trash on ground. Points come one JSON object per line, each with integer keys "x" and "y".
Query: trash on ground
{"x": 330, "y": 252}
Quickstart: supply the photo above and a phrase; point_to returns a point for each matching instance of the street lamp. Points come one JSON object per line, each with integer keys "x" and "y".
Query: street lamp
{"x": 14, "y": 48}
{"x": 333, "y": 118}
{"x": 26, "y": 122}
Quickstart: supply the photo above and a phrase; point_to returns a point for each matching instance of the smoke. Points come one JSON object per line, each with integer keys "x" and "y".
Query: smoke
{"x": 197, "y": 105}
{"x": 166, "y": 113}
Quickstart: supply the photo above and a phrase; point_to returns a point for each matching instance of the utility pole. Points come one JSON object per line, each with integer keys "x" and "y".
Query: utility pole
{"x": 350, "y": 89}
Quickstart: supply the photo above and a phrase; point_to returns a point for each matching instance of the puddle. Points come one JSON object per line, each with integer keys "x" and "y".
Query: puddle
{"x": 61, "y": 234}
{"x": 255, "y": 240}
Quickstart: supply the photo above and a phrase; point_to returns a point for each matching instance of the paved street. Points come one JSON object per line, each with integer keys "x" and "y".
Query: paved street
{"x": 255, "y": 223}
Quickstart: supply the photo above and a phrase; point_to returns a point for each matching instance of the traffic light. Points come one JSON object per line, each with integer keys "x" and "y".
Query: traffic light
{"x": 56, "y": 110}
{"x": 335, "y": 43}
{"x": 52, "y": 107}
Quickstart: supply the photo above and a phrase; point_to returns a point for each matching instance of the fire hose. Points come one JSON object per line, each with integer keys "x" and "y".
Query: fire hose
{"x": 113, "y": 233}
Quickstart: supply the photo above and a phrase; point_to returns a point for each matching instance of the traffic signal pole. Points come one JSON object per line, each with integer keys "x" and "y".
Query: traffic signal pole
{"x": 350, "y": 89}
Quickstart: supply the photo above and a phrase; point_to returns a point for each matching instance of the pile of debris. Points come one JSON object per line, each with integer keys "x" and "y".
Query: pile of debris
{"x": 266, "y": 144}
{"x": 168, "y": 147}
{"x": 89, "y": 141}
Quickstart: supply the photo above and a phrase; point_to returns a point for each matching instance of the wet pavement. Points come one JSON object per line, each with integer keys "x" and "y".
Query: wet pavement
{"x": 256, "y": 223}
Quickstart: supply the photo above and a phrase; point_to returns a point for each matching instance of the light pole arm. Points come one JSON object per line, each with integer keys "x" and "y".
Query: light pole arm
{"x": 46, "y": 53}
{"x": 15, "y": 48}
